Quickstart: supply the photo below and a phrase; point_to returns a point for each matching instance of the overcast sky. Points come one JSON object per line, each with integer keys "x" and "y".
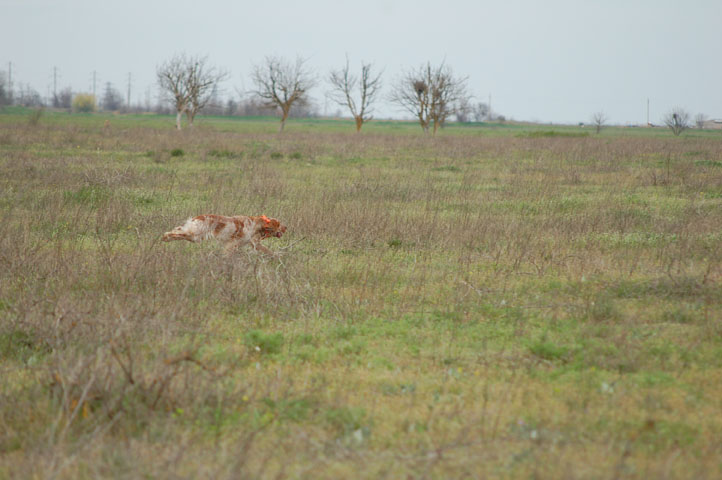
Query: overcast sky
{"x": 548, "y": 61}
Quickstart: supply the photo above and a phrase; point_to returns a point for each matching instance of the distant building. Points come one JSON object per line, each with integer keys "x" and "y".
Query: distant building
{"x": 715, "y": 124}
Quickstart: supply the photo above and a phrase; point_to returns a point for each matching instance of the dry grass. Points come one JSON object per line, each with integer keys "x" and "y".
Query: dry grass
{"x": 469, "y": 306}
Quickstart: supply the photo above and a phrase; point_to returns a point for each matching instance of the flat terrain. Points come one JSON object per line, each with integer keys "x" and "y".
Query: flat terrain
{"x": 501, "y": 301}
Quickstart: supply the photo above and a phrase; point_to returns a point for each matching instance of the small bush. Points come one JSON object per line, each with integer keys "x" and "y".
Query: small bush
{"x": 20, "y": 345}
{"x": 177, "y": 152}
{"x": 265, "y": 342}
{"x": 679, "y": 315}
{"x": 35, "y": 116}
{"x": 84, "y": 103}
{"x": 603, "y": 308}
{"x": 276, "y": 155}
{"x": 446, "y": 168}
{"x": 87, "y": 195}
{"x": 347, "y": 420}
{"x": 354, "y": 347}
{"x": 225, "y": 154}
{"x": 547, "y": 350}
{"x": 291, "y": 409}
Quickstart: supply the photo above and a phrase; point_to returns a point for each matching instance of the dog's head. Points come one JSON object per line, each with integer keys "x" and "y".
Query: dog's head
{"x": 270, "y": 227}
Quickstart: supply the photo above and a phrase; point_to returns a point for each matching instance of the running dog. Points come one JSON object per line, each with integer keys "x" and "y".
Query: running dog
{"x": 233, "y": 232}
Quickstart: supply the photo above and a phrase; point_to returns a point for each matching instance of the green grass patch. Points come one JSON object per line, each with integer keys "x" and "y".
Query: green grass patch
{"x": 264, "y": 342}
{"x": 90, "y": 195}
{"x": 552, "y": 133}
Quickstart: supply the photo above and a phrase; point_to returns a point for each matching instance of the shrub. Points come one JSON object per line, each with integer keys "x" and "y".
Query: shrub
{"x": 265, "y": 342}
{"x": 84, "y": 103}
{"x": 35, "y": 116}
{"x": 177, "y": 152}
{"x": 87, "y": 195}
{"x": 548, "y": 350}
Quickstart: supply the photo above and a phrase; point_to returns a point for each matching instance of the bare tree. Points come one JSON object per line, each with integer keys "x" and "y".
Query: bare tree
{"x": 446, "y": 93}
{"x": 464, "y": 110}
{"x": 27, "y": 96}
{"x": 281, "y": 84}
{"x": 4, "y": 90}
{"x": 112, "y": 99}
{"x": 412, "y": 94}
{"x": 203, "y": 80}
{"x": 63, "y": 99}
{"x": 172, "y": 80}
{"x": 216, "y": 104}
{"x": 231, "y": 107}
{"x": 431, "y": 94}
{"x": 481, "y": 111}
{"x": 700, "y": 119}
{"x": 677, "y": 120}
{"x": 251, "y": 107}
{"x": 344, "y": 84}
{"x": 189, "y": 82}
{"x": 599, "y": 120}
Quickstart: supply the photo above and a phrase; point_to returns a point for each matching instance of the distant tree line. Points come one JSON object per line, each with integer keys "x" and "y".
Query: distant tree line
{"x": 191, "y": 84}
{"x": 677, "y": 120}
{"x": 188, "y": 85}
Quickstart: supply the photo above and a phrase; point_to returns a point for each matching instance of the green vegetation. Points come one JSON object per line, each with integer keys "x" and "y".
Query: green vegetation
{"x": 552, "y": 133}
{"x": 83, "y": 103}
{"x": 501, "y": 301}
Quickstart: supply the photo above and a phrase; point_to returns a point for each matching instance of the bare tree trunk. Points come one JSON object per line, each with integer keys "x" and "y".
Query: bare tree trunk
{"x": 424, "y": 125}
{"x": 178, "y": 117}
{"x": 436, "y": 126}
{"x": 359, "y": 122}
{"x": 284, "y": 116}
{"x": 190, "y": 115}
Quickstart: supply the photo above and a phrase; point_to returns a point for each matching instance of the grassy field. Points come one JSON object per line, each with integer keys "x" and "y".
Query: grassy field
{"x": 500, "y": 301}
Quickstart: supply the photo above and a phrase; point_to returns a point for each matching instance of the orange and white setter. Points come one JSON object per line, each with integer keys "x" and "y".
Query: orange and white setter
{"x": 233, "y": 232}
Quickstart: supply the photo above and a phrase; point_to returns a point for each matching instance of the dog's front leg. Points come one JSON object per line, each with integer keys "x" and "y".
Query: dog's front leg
{"x": 170, "y": 236}
{"x": 257, "y": 245}
{"x": 231, "y": 246}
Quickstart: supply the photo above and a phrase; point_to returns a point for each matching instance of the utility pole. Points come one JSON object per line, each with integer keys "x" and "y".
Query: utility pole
{"x": 128, "y": 90}
{"x": 10, "y": 80}
{"x": 55, "y": 85}
{"x": 147, "y": 99}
